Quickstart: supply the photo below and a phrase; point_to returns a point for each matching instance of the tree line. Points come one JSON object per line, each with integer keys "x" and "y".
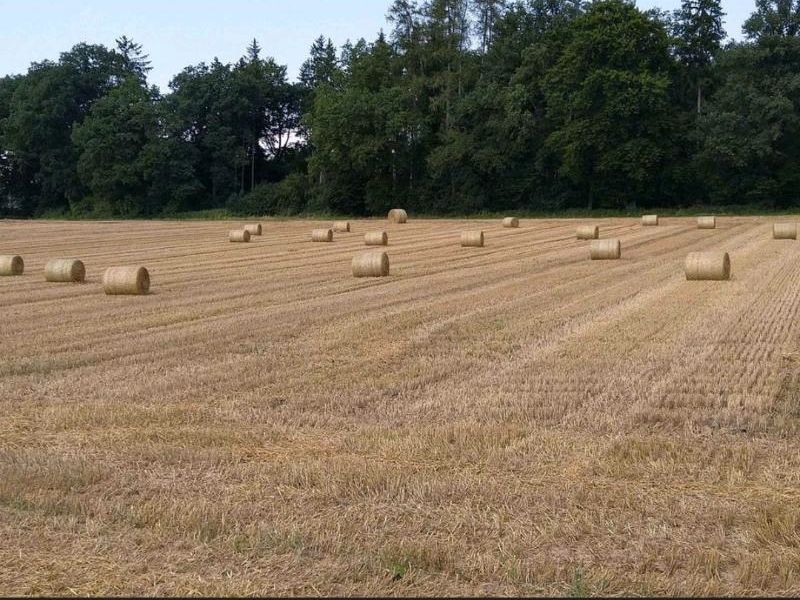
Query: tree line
{"x": 462, "y": 106}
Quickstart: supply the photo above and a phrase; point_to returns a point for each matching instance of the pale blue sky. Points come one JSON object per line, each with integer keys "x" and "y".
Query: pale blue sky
{"x": 177, "y": 33}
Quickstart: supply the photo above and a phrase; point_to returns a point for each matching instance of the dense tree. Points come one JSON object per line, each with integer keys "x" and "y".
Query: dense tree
{"x": 774, "y": 17}
{"x": 203, "y": 112}
{"x": 128, "y": 163}
{"x": 134, "y": 60}
{"x": 45, "y": 105}
{"x": 322, "y": 65}
{"x": 752, "y": 130}
{"x": 11, "y": 194}
{"x": 699, "y": 33}
{"x": 463, "y": 106}
{"x": 607, "y": 98}
{"x": 353, "y": 132}
{"x": 241, "y": 119}
{"x": 488, "y": 13}
{"x": 168, "y": 168}
{"x": 109, "y": 143}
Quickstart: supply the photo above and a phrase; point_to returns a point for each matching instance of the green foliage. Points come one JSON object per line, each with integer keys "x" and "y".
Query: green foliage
{"x": 465, "y": 107}
{"x": 774, "y": 18}
{"x": 239, "y": 119}
{"x": 607, "y": 97}
{"x": 285, "y": 198}
{"x": 109, "y": 143}
{"x": 698, "y": 34}
{"x": 578, "y": 587}
{"x": 44, "y": 107}
{"x": 322, "y": 66}
{"x": 752, "y": 130}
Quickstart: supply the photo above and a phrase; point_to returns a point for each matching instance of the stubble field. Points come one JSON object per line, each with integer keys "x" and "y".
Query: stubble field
{"x": 499, "y": 420}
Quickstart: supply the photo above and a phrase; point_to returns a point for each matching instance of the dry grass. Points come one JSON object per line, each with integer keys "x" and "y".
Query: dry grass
{"x": 516, "y": 419}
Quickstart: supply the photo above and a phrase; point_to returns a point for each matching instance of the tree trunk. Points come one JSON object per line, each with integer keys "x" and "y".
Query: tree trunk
{"x": 699, "y": 97}
{"x": 394, "y": 175}
{"x": 241, "y": 179}
{"x": 447, "y": 99}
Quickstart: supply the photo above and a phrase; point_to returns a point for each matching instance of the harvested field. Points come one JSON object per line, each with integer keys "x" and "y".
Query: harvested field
{"x": 513, "y": 419}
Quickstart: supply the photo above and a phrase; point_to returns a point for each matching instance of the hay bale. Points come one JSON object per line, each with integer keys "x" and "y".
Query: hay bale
{"x": 587, "y": 232}
{"x": 650, "y": 220}
{"x": 253, "y": 228}
{"x": 605, "y": 249}
{"x": 11, "y": 265}
{"x": 706, "y": 222}
{"x": 511, "y": 222}
{"x": 126, "y": 280}
{"x": 64, "y": 270}
{"x": 715, "y": 266}
{"x": 376, "y": 238}
{"x": 322, "y": 235}
{"x": 371, "y": 264}
{"x": 472, "y": 238}
{"x": 239, "y": 235}
{"x": 397, "y": 215}
{"x": 784, "y": 231}
{"x": 341, "y": 226}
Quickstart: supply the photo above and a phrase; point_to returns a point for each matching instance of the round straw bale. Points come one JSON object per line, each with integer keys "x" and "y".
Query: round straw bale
{"x": 126, "y": 280}
{"x": 472, "y": 238}
{"x": 511, "y": 222}
{"x": 322, "y": 235}
{"x": 253, "y": 228}
{"x": 784, "y": 231}
{"x": 239, "y": 235}
{"x": 11, "y": 265}
{"x": 397, "y": 215}
{"x": 587, "y": 232}
{"x": 650, "y": 220}
{"x": 371, "y": 264}
{"x": 376, "y": 238}
{"x": 341, "y": 226}
{"x": 708, "y": 265}
{"x": 706, "y": 222}
{"x": 64, "y": 270}
{"x": 605, "y": 249}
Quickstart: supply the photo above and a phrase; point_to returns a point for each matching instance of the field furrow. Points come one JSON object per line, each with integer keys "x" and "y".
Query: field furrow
{"x": 500, "y": 420}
